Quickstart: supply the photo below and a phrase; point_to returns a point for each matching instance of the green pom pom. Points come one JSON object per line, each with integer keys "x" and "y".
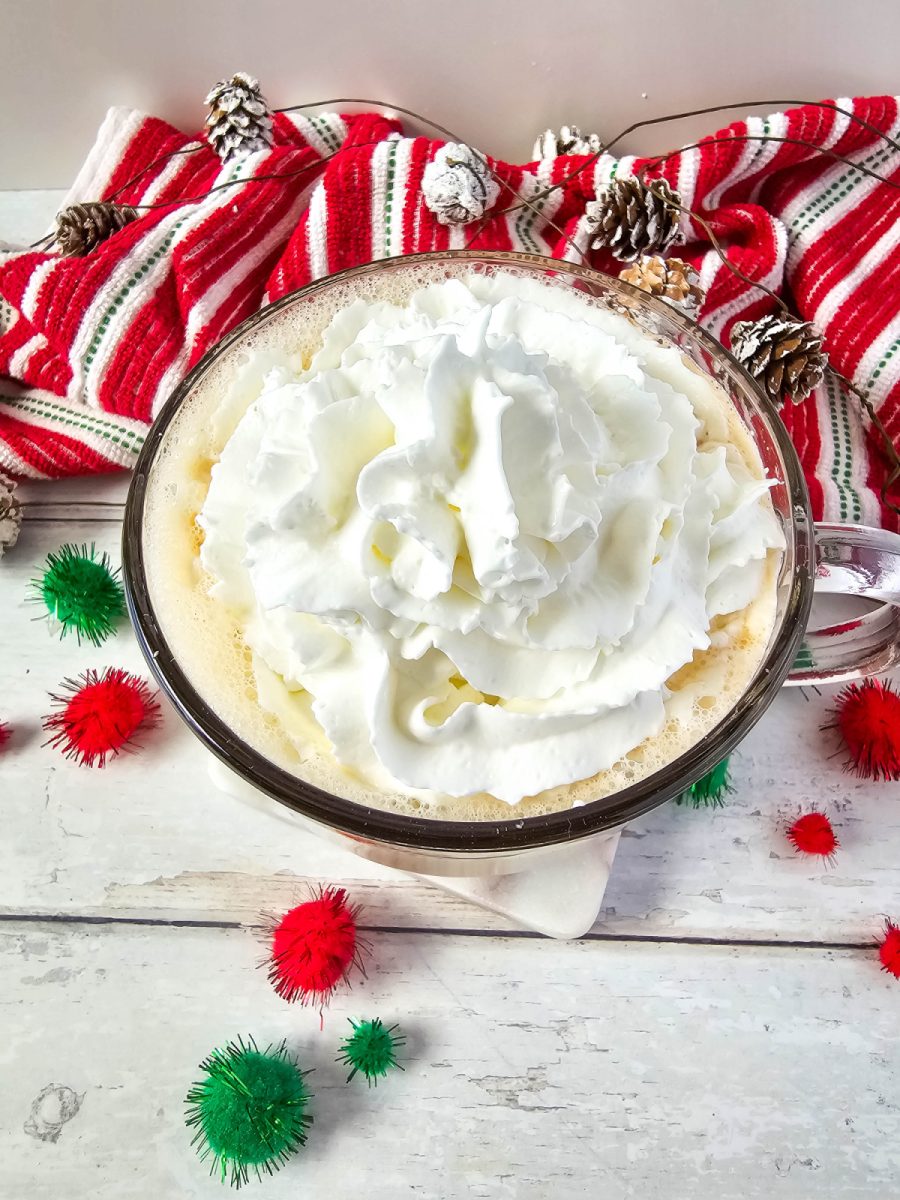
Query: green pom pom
{"x": 250, "y": 1110}
{"x": 81, "y": 591}
{"x": 371, "y": 1050}
{"x": 710, "y": 791}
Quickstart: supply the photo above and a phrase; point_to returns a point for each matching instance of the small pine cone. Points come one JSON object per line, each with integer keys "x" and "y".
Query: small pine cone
{"x": 80, "y": 228}
{"x": 7, "y": 316}
{"x": 629, "y": 219}
{"x": 671, "y": 279}
{"x": 569, "y": 140}
{"x": 10, "y": 514}
{"x": 240, "y": 120}
{"x": 457, "y": 185}
{"x": 783, "y": 354}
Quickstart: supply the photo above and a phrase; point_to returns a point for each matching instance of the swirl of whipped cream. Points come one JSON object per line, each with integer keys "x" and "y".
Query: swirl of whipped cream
{"x": 482, "y": 531}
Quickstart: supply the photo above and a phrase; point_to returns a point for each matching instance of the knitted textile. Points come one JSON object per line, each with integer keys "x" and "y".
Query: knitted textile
{"x": 96, "y": 344}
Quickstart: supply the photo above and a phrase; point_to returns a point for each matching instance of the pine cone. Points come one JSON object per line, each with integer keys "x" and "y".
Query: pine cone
{"x": 7, "y": 316}
{"x": 457, "y": 185}
{"x": 630, "y": 220}
{"x": 80, "y": 228}
{"x": 568, "y": 140}
{"x": 785, "y": 355}
{"x": 671, "y": 279}
{"x": 10, "y": 514}
{"x": 240, "y": 120}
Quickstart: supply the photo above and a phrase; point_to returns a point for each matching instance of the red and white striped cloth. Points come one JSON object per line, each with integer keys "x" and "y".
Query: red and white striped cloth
{"x": 91, "y": 347}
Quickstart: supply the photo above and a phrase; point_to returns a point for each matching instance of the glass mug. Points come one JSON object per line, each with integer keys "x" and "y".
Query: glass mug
{"x": 837, "y": 558}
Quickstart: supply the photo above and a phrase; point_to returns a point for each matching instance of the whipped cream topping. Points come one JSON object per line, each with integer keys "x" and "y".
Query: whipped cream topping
{"x": 481, "y": 531}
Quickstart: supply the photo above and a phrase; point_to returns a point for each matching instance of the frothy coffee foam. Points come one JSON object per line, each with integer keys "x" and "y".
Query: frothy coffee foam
{"x": 465, "y": 595}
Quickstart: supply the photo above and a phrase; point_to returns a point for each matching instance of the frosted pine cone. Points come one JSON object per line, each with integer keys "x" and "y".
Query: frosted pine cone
{"x": 629, "y": 219}
{"x": 10, "y": 514}
{"x": 7, "y": 316}
{"x": 240, "y": 120}
{"x": 457, "y": 185}
{"x": 783, "y": 354}
{"x": 569, "y": 140}
{"x": 671, "y": 279}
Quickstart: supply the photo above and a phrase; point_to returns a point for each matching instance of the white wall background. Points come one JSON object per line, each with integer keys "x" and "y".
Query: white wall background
{"x": 496, "y": 71}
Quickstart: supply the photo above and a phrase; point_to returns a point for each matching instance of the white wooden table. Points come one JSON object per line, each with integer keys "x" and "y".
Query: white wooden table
{"x": 724, "y": 1032}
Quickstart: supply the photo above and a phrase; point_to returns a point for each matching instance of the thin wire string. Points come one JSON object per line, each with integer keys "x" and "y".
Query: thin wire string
{"x": 640, "y": 175}
{"x": 535, "y": 203}
{"x": 192, "y": 148}
{"x": 716, "y": 244}
{"x": 829, "y": 105}
{"x": 451, "y": 136}
{"x": 532, "y": 203}
{"x": 699, "y": 112}
{"x": 888, "y": 446}
{"x": 752, "y": 137}
{"x": 711, "y": 141}
{"x": 220, "y": 187}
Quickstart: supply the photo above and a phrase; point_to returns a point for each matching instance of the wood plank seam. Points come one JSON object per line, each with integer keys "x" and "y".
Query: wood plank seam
{"x": 660, "y": 939}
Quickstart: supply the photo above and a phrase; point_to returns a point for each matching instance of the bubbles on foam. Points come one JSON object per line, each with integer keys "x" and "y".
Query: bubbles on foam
{"x": 206, "y": 638}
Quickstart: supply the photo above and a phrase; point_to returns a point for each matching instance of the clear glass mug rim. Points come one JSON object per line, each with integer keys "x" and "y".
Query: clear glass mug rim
{"x": 467, "y": 837}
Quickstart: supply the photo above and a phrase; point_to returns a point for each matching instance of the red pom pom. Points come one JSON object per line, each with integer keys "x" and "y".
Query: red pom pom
{"x": 100, "y": 715}
{"x": 889, "y": 949}
{"x": 5, "y": 733}
{"x": 868, "y": 717}
{"x": 812, "y": 834}
{"x": 313, "y": 948}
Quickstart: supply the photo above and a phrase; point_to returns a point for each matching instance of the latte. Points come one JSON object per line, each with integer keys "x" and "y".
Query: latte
{"x": 470, "y": 547}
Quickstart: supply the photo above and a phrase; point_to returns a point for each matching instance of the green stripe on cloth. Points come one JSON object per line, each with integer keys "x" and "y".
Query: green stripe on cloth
{"x": 758, "y": 148}
{"x": 37, "y": 406}
{"x": 837, "y": 191}
{"x": 884, "y": 360}
{"x": 388, "y": 201}
{"x": 123, "y": 294}
{"x": 135, "y": 278}
{"x": 329, "y": 134}
{"x": 842, "y": 462}
{"x": 525, "y": 223}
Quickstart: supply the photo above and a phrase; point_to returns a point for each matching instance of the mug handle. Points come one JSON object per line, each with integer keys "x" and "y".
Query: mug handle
{"x": 853, "y": 560}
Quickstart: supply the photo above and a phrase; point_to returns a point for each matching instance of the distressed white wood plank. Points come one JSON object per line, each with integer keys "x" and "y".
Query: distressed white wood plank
{"x": 148, "y": 835}
{"x": 27, "y": 215}
{"x": 79, "y": 498}
{"x": 533, "y": 1069}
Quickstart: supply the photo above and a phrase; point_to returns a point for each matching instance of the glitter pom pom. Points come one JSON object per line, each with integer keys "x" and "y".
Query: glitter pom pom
{"x": 868, "y": 717}
{"x": 889, "y": 949}
{"x": 313, "y": 948}
{"x": 812, "y": 834}
{"x": 100, "y": 715}
{"x": 81, "y": 592}
{"x": 250, "y": 1112}
{"x": 371, "y": 1050}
